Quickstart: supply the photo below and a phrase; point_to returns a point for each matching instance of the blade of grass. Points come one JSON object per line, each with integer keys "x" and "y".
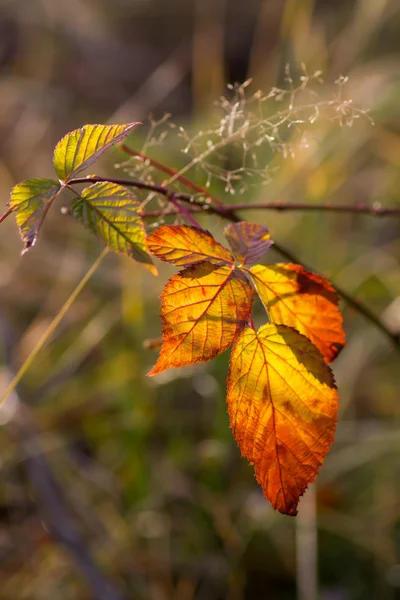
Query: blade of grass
{"x": 51, "y": 328}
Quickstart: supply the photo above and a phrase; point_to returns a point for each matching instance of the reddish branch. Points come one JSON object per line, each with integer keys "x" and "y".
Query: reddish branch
{"x": 181, "y": 209}
{"x": 374, "y": 210}
{"x": 171, "y": 172}
{"x": 225, "y": 209}
{"x": 228, "y": 212}
{"x": 6, "y": 214}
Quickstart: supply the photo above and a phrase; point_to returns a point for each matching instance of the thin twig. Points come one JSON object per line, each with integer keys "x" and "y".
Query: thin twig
{"x": 228, "y": 212}
{"x": 5, "y": 215}
{"x": 376, "y": 209}
{"x": 169, "y": 171}
{"x": 278, "y": 205}
{"x": 140, "y": 185}
{"x": 181, "y": 209}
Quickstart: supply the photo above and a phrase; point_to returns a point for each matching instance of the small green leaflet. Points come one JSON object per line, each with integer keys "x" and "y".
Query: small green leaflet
{"x": 82, "y": 147}
{"x": 112, "y": 212}
{"x": 30, "y": 200}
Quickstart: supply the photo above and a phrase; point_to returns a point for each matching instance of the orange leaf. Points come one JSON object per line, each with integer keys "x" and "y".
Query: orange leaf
{"x": 282, "y": 402}
{"x": 248, "y": 241}
{"x": 303, "y": 300}
{"x": 204, "y": 308}
{"x": 183, "y": 245}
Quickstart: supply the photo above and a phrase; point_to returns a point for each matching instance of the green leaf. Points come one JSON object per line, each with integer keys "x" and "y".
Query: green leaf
{"x": 82, "y": 147}
{"x": 113, "y": 214}
{"x": 30, "y": 200}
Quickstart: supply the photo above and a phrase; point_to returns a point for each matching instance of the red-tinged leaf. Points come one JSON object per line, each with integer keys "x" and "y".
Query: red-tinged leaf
{"x": 303, "y": 300}
{"x": 183, "y": 245}
{"x": 249, "y": 241}
{"x": 204, "y": 308}
{"x": 282, "y": 402}
{"x": 81, "y": 148}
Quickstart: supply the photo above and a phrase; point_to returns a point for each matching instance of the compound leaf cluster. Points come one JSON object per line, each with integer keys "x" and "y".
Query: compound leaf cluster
{"x": 282, "y": 399}
{"x": 281, "y": 395}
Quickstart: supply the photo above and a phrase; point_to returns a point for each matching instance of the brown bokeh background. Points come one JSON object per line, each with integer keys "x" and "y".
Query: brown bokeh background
{"x": 117, "y": 486}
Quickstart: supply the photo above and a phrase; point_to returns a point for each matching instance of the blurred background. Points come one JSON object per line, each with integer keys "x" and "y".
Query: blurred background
{"x": 116, "y": 486}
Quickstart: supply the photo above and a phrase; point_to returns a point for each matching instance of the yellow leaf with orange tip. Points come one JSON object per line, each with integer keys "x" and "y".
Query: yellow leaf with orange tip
{"x": 303, "y": 300}
{"x": 184, "y": 245}
{"x": 249, "y": 241}
{"x": 204, "y": 308}
{"x": 282, "y": 402}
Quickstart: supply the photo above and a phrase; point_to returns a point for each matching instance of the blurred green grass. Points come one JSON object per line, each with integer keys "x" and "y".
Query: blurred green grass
{"x": 155, "y": 481}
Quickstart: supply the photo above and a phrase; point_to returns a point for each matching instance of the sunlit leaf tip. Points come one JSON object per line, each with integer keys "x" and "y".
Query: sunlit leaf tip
{"x": 249, "y": 241}
{"x": 112, "y": 212}
{"x": 282, "y": 402}
{"x": 30, "y": 201}
{"x": 184, "y": 245}
{"x": 203, "y": 310}
{"x": 303, "y": 300}
{"x": 82, "y": 147}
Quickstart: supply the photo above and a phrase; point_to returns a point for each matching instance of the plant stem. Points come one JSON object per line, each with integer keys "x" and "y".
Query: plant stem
{"x": 181, "y": 209}
{"x": 376, "y": 208}
{"x": 51, "y": 328}
{"x": 360, "y": 208}
{"x": 172, "y": 172}
{"x": 5, "y": 215}
{"x": 223, "y": 209}
{"x": 228, "y": 212}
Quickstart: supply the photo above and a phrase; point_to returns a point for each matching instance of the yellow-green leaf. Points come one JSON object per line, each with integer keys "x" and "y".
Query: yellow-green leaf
{"x": 184, "y": 245}
{"x": 112, "y": 212}
{"x": 204, "y": 308}
{"x": 82, "y": 147}
{"x": 282, "y": 402}
{"x": 30, "y": 200}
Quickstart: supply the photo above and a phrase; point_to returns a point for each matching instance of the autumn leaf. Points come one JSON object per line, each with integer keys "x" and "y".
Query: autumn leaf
{"x": 30, "y": 201}
{"x": 184, "y": 245}
{"x": 282, "y": 402}
{"x": 82, "y": 147}
{"x": 112, "y": 212}
{"x": 303, "y": 300}
{"x": 249, "y": 241}
{"x": 204, "y": 308}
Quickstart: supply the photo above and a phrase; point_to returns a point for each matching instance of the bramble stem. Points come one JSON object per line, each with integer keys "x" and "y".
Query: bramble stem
{"x": 172, "y": 172}
{"x": 181, "y": 209}
{"x": 360, "y": 208}
{"x": 223, "y": 209}
{"x": 228, "y": 212}
{"x": 6, "y": 214}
